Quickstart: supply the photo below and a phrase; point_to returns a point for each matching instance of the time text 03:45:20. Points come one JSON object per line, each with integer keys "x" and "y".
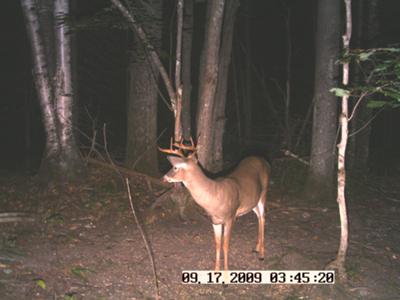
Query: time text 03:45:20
{"x": 259, "y": 277}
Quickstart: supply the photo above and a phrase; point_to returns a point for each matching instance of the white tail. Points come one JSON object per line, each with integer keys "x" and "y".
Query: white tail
{"x": 225, "y": 198}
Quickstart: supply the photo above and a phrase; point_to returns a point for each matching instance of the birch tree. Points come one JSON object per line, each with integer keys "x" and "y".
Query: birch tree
{"x": 51, "y": 52}
{"x": 339, "y": 262}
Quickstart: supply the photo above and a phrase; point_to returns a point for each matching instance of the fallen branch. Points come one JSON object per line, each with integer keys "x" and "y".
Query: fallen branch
{"x": 128, "y": 172}
{"x": 161, "y": 198}
{"x": 8, "y": 217}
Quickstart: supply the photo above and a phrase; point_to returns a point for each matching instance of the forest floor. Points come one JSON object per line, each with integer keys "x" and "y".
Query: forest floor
{"x": 85, "y": 244}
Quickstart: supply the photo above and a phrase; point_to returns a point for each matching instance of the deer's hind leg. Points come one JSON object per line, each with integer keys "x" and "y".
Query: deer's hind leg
{"x": 259, "y": 210}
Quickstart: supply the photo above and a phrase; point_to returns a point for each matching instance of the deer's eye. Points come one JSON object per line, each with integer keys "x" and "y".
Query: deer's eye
{"x": 175, "y": 168}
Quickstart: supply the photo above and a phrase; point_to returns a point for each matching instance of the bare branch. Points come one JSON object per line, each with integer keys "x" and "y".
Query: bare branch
{"x": 146, "y": 243}
{"x": 357, "y": 104}
{"x": 149, "y": 47}
{"x": 178, "y": 67}
{"x": 179, "y": 25}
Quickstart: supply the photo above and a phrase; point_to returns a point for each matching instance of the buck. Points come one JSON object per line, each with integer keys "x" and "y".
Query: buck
{"x": 224, "y": 198}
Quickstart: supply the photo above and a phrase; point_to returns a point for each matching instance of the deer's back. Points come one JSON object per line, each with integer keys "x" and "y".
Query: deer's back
{"x": 251, "y": 175}
{"x": 254, "y": 169}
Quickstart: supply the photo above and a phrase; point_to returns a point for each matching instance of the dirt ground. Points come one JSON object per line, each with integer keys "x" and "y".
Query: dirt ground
{"x": 85, "y": 244}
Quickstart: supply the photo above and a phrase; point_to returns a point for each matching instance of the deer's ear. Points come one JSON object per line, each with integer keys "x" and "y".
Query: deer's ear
{"x": 176, "y": 161}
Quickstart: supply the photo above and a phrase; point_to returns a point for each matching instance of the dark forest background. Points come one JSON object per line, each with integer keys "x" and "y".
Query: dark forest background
{"x": 85, "y": 102}
{"x": 100, "y": 58}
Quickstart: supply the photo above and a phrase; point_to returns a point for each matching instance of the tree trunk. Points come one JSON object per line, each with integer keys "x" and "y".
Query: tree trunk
{"x": 187, "y": 37}
{"x": 64, "y": 92}
{"x": 225, "y": 57}
{"x": 208, "y": 82}
{"x": 320, "y": 181}
{"x": 42, "y": 82}
{"x": 141, "y": 148}
{"x": 53, "y": 80}
{"x": 45, "y": 10}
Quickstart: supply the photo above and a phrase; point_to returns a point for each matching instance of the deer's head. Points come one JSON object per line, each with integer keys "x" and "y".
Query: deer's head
{"x": 182, "y": 166}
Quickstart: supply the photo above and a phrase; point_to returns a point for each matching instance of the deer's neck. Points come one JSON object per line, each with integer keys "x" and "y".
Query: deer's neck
{"x": 202, "y": 189}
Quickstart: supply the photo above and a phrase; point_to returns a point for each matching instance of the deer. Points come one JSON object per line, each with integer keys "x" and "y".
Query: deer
{"x": 224, "y": 198}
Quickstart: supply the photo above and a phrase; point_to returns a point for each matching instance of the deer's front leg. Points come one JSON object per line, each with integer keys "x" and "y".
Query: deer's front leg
{"x": 227, "y": 236}
{"x": 218, "y": 235}
{"x": 261, "y": 225}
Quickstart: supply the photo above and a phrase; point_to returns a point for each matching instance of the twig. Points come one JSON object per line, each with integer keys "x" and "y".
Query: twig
{"x": 304, "y": 125}
{"x": 356, "y": 105}
{"x": 126, "y": 181}
{"x": 144, "y": 152}
{"x": 366, "y": 123}
{"x": 144, "y": 239}
{"x": 93, "y": 143}
{"x": 288, "y": 153}
{"x": 107, "y": 153}
{"x": 393, "y": 199}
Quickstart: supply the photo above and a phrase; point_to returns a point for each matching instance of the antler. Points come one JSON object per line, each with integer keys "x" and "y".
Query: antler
{"x": 180, "y": 145}
{"x": 171, "y": 150}
{"x": 179, "y": 148}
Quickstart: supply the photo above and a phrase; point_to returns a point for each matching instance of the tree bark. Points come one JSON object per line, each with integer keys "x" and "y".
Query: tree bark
{"x": 41, "y": 77}
{"x": 208, "y": 82}
{"x": 53, "y": 80}
{"x": 64, "y": 92}
{"x": 142, "y": 94}
{"x": 320, "y": 181}
{"x": 225, "y": 57}
{"x": 187, "y": 68}
{"x": 45, "y": 10}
